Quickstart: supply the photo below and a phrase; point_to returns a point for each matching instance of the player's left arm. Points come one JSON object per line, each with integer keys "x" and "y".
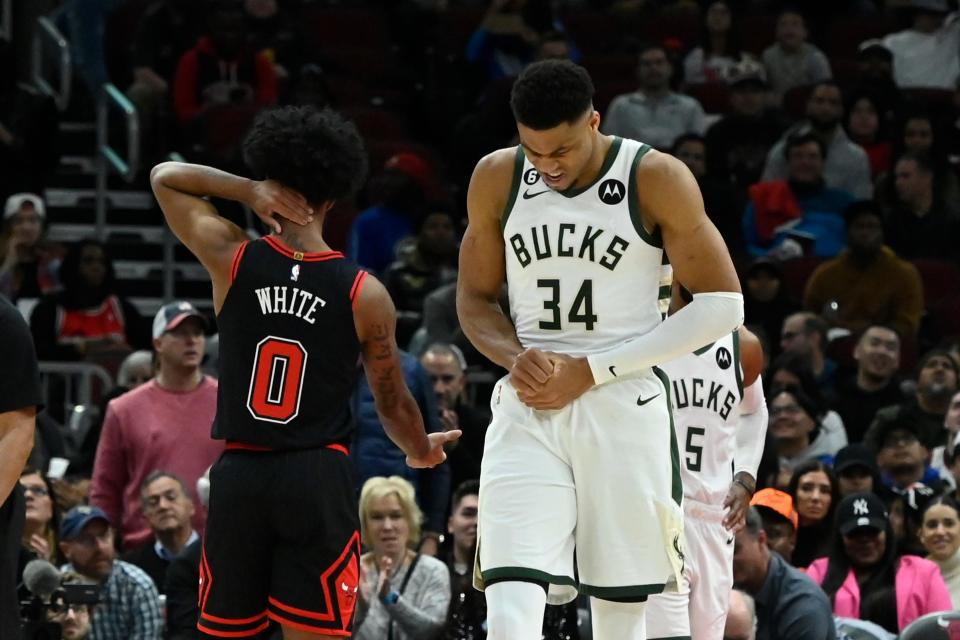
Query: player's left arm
{"x": 751, "y": 432}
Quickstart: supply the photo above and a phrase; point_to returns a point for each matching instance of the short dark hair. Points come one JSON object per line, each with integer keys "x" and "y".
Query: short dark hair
{"x": 687, "y": 137}
{"x": 801, "y": 138}
{"x": 464, "y": 489}
{"x": 862, "y": 208}
{"x": 923, "y": 161}
{"x": 314, "y": 151}
{"x": 155, "y": 475}
{"x": 754, "y": 523}
{"x": 550, "y": 93}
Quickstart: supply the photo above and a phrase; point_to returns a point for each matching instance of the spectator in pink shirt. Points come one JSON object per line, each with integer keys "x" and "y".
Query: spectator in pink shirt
{"x": 162, "y": 424}
{"x": 864, "y": 578}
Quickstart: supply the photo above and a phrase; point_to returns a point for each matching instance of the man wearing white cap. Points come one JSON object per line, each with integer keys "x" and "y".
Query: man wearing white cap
{"x": 27, "y": 266}
{"x": 926, "y": 54}
{"x": 162, "y": 424}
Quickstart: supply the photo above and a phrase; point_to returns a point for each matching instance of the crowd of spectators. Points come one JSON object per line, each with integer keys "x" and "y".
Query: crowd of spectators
{"x": 826, "y": 144}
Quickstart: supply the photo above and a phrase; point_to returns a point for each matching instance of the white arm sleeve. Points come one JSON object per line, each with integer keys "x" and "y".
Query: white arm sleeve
{"x": 709, "y": 317}
{"x": 752, "y": 431}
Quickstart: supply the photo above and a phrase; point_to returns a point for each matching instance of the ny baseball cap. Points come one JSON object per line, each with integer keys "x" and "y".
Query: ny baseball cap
{"x": 778, "y": 502}
{"x": 77, "y": 518}
{"x": 17, "y": 200}
{"x": 860, "y": 510}
{"x": 171, "y": 315}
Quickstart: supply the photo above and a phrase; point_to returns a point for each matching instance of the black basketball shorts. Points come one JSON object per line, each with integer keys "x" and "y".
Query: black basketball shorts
{"x": 282, "y": 543}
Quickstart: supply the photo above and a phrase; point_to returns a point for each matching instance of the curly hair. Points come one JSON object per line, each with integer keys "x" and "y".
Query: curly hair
{"x": 550, "y": 93}
{"x": 314, "y": 151}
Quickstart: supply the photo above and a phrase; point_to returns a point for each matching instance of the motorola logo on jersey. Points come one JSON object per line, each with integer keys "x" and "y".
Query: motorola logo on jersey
{"x": 612, "y": 191}
{"x": 531, "y": 176}
{"x": 724, "y": 359}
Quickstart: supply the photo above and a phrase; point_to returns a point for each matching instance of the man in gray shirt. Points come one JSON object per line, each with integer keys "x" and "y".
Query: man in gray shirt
{"x": 654, "y": 114}
{"x": 847, "y": 166}
{"x": 790, "y": 606}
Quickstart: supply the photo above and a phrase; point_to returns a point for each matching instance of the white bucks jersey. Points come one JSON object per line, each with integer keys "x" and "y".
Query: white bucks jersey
{"x": 707, "y": 387}
{"x": 583, "y": 274}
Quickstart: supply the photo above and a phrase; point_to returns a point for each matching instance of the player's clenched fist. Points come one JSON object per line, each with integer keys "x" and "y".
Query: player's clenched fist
{"x": 530, "y": 371}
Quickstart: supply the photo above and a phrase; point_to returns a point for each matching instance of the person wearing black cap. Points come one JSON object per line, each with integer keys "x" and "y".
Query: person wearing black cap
{"x": 937, "y": 381}
{"x": 162, "y": 424}
{"x": 864, "y": 578}
{"x": 925, "y": 55}
{"x": 855, "y": 467}
{"x": 868, "y": 282}
{"x": 903, "y": 458}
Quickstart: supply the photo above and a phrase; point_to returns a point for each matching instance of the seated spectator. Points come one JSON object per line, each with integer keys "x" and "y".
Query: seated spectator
{"x": 919, "y": 224}
{"x": 741, "y": 622}
{"x": 129, "y": 604}
{"x": 167, "y": 506}
{"x": 942, "y": 454}
{"x": 903, "y": 459}
{"x": 866, "y": 126}
{"x": 718, "y": 50}
{"x": 784, "y": 215}
{"x": 403, "y": 594}
{"x": 221, "y": 76}
{"x": 447, "y": 368}
{"x": 940, "y": 535}
{"x": 791, "y": 369}
{"x": 721, "y": 202}
{"x": 654, "y": 113}
{"x": 864, "y": 578}
{"x": 780, "y": 520}
{"x": 42, "y": 523}
{"x": 874, "y": 385}
{"x": 855, "y": 467}
{"x": 795, "y": 424}
{"x": 847, "y": 166}
{"x": 398, "y": 194}
{"x": 28, "y": 262}
{"x": 375, "y": 455}
{"x": 183, "y": 575}
{"x": 805, "y": 335}
{"x": 86, "y": 320}
{"x": 468, "y": 608}
{"x": 868, "y": 282}
{"x": 813, "y": 488}
{"x": 766, "y": 300}
{"x": 789, "y": 605}
{"x": 919, "y": 133}
{"x": 936, "y": 385}
{"x": 875, "y": 76}
{"x": 73, "y": 619}
{"x": 925, "y": 55}
{"x": 791, "y": 61}
{"x": 430, "y": 263}
{"x": 163, "y": 424}
{"x": 738, "y": 142}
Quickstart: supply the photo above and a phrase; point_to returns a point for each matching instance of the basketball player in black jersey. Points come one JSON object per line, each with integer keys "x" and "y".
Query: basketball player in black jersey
{"x": 282, "y": 539}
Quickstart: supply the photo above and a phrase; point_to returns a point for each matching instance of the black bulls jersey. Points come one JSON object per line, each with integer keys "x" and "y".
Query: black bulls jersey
{"x": 288, "y": 348}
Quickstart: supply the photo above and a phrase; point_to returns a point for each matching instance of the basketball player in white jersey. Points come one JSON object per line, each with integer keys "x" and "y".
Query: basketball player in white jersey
{"x": 721, "y": 421}
{"x": 581, "y": 455}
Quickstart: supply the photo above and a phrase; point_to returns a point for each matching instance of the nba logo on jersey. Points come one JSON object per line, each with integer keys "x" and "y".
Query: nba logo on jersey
{"x": 295, "y": 272}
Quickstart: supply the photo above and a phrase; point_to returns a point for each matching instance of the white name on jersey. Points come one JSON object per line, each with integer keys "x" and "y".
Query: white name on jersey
{"x": 567, "y": 241}
{"x": 275, "y": 300}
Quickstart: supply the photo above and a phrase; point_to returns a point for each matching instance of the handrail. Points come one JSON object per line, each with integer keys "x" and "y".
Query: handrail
{"x": 46, "y": 30}
{"x": 109, "y": 158}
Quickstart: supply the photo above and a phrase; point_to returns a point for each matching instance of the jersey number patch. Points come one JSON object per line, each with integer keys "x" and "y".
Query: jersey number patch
{"x": 581, "y": 311}
{"x": 277, "y": 380}
{"x": 694, "y": 451}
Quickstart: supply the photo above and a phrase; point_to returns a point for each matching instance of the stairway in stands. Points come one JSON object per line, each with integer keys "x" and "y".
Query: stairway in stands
{"x": 135, "y": 227}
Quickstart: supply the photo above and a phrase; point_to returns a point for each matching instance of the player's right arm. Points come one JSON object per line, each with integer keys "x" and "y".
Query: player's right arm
{"x": 375, "y": 319}
{"x": 180, "y": 188}
{"x": 483, "y": 271}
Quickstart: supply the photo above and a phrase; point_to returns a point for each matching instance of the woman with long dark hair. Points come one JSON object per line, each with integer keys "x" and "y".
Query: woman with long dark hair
{"x": 719, "y": 47}
{"x": 813, "y": 488}
{"x": 864, "y": 578}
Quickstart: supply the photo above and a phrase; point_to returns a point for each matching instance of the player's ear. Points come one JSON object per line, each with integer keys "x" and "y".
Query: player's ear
{"x": 594, "y": 120}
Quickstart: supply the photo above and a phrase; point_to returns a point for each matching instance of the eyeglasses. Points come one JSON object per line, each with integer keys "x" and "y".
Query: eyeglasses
{"x": 35, "y": 489}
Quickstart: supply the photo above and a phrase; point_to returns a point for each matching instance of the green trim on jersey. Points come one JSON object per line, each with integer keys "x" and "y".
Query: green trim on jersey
{"x": 672, "y": 638}
{"x": 514, "y": 187}
{"x": 633, "y": 200}
{"x": 607, "y": 163}
{"x": 737, "y": 371}
{"x": 703, "y": 350}
{"x": 529, "y": 574}
{"x": 676, "y": 484}
{"x": 631, "y": 591}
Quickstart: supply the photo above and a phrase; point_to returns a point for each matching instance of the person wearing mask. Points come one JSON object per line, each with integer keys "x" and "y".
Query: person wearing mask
{"x": 940, "y": 535}
{"x": 864, "y": 578}
{"x": 814, "y": 491}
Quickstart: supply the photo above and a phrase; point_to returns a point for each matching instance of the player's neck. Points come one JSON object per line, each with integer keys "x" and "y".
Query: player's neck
{"x": 601, "y": 147}
{"x": 179, "y": 379}
{"x": 308, "y": 238}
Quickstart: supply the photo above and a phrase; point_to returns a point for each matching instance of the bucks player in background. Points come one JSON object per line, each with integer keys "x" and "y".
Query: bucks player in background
{"x": 721, "y": 422}
{"x": 581, "y": 454}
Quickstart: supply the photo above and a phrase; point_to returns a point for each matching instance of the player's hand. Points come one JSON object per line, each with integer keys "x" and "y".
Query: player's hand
{"x": 436, "y": 454}
{"x": 736, "y": 504}
{"x": 571, "y": 379}
{"x": 270, "y": 199}
{"x": 530, "y": 371}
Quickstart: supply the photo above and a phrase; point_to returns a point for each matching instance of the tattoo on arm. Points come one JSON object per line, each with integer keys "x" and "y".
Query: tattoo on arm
{"x": 382, "y": 352}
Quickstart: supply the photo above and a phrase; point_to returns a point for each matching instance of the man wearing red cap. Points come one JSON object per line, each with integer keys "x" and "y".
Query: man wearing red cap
{"x": 162, "y": 424}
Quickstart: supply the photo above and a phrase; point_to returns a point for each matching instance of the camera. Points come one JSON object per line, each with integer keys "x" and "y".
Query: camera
{"x": 50, "y": 594}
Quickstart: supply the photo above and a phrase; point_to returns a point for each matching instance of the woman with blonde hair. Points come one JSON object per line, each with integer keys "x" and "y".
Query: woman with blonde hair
{"x": 403, "y": 595}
